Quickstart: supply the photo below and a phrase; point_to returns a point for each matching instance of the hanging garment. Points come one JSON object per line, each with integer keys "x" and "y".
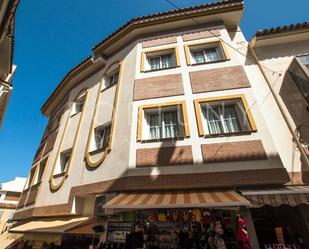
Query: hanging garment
{"x": 219, "y": 242}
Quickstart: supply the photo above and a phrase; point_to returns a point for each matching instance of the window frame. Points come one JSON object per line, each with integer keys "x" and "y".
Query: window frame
{"x": 144, "y": 108}
{"x": 40, "y": 166}
{"x": 200, "y": 116}
{"x": 102, "y": 127}
{"x": 159, "y": 52}
{"x": 189, "y": 48}
{"x": 79, "y": 100}
{"x": 62, "y": 170}
{"x": 108, "y": 76}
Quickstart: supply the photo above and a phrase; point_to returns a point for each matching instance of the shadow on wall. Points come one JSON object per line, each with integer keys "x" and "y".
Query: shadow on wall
{"x": 297, "y": 108}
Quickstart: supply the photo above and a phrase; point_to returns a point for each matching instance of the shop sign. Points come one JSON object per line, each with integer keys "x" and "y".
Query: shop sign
{"x": 118, "y": 230}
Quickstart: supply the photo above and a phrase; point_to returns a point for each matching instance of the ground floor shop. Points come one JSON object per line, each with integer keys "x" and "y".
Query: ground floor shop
{"x": 186, "y": 228}
{"x": 284, "y": 225}
{"x": 280, "y": 216}
{"x": 248, "y": 219}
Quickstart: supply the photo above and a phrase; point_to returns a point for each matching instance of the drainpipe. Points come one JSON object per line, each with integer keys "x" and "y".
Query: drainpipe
{"x": 286, "y": 119}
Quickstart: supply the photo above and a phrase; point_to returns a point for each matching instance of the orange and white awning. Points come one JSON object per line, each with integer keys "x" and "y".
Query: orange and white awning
{"x": 192, "y": 199}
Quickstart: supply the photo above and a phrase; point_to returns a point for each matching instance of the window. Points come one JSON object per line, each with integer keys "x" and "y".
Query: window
{"x": 64, "y": 161}
{"x": 163, "y": 125}
{"x": 221, "y": 119}
{"x": 112, "y": 79}
{"x": 41, "y": 170}
{"x": 205, "y": 53}
{"x": 225, "y": 116}
{"x": 79, "y": 103}
{"x": 161, "y": 62}
{"x": 304, "y": 60}
{"x": 102, "y": 135}
{"x": 9, "y": 221}
{"x": 299, "y": 71}
{"x": 163, "y": 121}
{"x": 1, "y": 213}
{"x": 159, "y": 59}
{"x": 31, "y": 176}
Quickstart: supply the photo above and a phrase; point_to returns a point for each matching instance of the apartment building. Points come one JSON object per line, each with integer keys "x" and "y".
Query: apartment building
{"x": 7, "y": 68}
{"x": 169, "y": 129}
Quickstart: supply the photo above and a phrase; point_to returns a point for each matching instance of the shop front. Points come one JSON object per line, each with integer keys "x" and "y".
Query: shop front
{"x": 54, "y": 233}
{"x": 280, "y": 216}
{"x": 179, "y": 220}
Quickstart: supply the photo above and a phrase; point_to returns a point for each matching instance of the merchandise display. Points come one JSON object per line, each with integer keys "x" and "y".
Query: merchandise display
{"x": 183, "y": 229}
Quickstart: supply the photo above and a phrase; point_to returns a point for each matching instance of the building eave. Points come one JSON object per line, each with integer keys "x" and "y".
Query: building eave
{"x": 272, "y": 36}
{"x": 165, "y": 17}
{"x": 140, "y": 22}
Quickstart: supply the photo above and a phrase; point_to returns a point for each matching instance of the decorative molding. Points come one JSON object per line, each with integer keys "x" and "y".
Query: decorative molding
{"x": 91, "y": 164}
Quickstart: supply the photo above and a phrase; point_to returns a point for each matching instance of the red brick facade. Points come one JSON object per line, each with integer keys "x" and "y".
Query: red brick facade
{"x": 164, "y": 156}
{"x": 219, "y": 79}
{"x": 200, "y": 35}
{"x": 234, "y": 151}
{"x": 159, "y": 41}
{"x": 156, "y": 87}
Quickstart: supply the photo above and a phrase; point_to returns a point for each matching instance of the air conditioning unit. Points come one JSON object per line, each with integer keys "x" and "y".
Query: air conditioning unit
{"x": 100, "y": 201}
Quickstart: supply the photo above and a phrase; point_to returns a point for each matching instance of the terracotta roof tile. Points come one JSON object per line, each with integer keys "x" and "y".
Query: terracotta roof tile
{"x": 166, "y": 13}
{"x": 281, "y": 29}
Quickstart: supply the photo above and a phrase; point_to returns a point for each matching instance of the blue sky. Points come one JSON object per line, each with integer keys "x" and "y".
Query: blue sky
{"x": 52, "y": 36}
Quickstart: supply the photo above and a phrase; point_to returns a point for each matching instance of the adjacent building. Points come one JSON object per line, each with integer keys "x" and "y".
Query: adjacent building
{"x": 178, "y": 124}
{"x": 7, "y": 68}
{"x": 9, "y": 196}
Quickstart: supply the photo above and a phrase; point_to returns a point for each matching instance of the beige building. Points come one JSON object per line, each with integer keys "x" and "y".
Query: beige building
{"x": 9, "y": 196}
{"x": 171, "y": 120}
{"x": 7, "y": 69}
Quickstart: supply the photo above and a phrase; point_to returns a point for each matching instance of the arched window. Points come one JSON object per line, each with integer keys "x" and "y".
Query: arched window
{"x": 79, "y": 102}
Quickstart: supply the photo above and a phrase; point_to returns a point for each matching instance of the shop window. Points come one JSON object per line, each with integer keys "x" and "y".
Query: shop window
{"x": 160, "y": 59}
{"x": 163, "y": 122}
{"x": 112, "y": 79}
{"x": 299, "y": 71}
{"x": 102, "y": 135}
{"x": 202, "y": 53}
{"x": 79, "y": 103}
{"x": 224, "y": 116}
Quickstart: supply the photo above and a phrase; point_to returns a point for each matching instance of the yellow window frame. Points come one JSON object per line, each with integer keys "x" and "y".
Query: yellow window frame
{"x": 199, "y": 115}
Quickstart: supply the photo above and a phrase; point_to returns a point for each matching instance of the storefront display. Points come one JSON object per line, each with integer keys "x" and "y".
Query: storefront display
{"x": 180, "y": 229}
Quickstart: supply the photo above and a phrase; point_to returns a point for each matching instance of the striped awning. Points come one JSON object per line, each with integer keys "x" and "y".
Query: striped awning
{"x": 290, "y": 195}
{"x": 177, "y": 200}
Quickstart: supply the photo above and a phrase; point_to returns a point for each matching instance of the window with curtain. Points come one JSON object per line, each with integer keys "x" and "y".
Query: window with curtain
{"x": 102, "y": 135}
{"x": 163, "y": 125}
{"x": 206, "y": 54}
{"x": 161, "y": 62}
{"x": 223, "y": 118}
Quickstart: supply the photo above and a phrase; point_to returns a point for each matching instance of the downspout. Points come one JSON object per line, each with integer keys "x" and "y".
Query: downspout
{"x": 282, "y": 111}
